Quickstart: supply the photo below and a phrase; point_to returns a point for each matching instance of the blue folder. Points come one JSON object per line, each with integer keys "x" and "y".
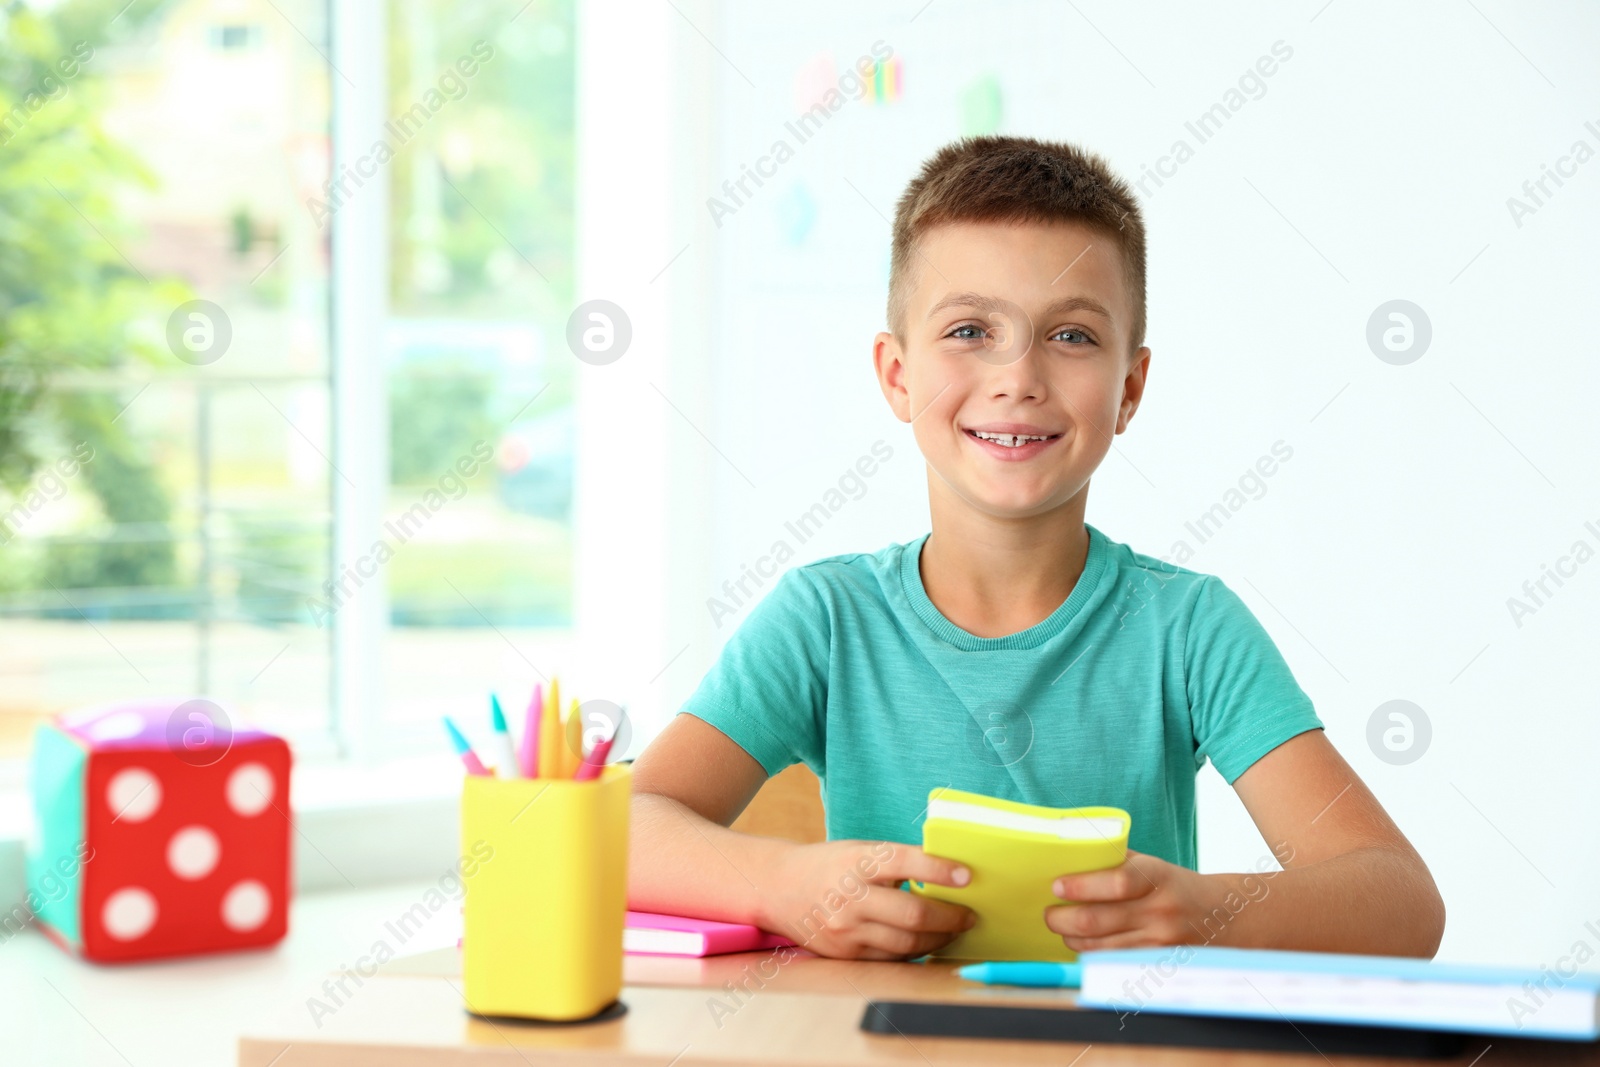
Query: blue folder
{"x": 1199, "y": 958}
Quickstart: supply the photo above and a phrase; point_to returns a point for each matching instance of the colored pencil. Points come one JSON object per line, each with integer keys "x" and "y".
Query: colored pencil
{"x": 572, "y": 738}
{"x": 550, "y": 733}
{"x": 594, "y": 762}
{"x": 528, "y": 754}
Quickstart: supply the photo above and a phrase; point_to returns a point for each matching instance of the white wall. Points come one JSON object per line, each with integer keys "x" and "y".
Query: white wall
{"x": 1377, "y": 165}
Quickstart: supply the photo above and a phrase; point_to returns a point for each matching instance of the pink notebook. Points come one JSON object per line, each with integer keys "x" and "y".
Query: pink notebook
{"x": 649, "y": 934}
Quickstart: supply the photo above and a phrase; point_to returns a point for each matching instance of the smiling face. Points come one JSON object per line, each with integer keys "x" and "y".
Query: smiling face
{"x": 1014, "y": 366}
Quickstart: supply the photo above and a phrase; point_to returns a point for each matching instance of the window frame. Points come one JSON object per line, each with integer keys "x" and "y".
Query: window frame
{"x": 353, "y": 799}
{"x": 358, "y": 302}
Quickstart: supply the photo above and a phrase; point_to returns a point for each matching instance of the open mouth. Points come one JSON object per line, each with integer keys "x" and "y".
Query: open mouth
{"x": 1011, "y": 440}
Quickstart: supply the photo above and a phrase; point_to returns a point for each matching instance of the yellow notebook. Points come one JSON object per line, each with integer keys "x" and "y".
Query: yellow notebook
{"x": 1015, "y": 852}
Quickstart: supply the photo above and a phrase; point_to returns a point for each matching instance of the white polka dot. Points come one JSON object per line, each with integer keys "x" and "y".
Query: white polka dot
{"x": 116, "y": 726}
{"x": 193, "y": 852}
{"x": 250, "y": 789}
{"x": 133, "y": 795}
{"x": 246, "y": 906}
{"x": 128, "y": 913}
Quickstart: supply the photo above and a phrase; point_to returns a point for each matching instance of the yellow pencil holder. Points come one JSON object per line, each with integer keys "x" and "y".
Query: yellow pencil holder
{"x": 546, "y": 899}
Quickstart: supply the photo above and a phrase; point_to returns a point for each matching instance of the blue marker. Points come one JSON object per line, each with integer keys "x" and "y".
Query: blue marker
{"x": 469, "y": 758}
{"x": 1058, "y": 975}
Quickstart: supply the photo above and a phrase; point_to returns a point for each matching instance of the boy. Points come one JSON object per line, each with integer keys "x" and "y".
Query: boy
{"x": 1016, "y": 651}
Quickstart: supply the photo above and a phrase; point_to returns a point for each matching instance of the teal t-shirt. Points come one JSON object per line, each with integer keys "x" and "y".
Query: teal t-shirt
{"x": 1118, "y": 698}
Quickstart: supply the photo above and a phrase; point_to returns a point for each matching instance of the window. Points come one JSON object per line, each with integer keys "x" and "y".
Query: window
{"x": 169, "y": 476}
{"x": 481, "y": 197}
{"x": 179, "y": 356}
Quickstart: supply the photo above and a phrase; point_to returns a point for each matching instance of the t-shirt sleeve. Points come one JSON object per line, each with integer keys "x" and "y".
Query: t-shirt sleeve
{"x": 768, "y": 689}
{"x": 1243, "y": 699}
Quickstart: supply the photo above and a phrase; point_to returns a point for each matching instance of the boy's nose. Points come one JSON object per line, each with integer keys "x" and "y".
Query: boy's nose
{"x": 1021, "y": 379}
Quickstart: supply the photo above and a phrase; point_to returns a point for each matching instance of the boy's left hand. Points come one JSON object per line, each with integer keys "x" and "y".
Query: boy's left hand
{"x": 1144, "y": 902}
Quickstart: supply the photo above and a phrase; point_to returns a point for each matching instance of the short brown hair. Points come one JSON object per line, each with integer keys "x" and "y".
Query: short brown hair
{"x": 1017, "y": 180}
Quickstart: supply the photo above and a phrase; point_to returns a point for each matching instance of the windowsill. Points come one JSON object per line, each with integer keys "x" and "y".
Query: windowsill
{"x": 355, "y": 826}
{"x": 343, "y": 784}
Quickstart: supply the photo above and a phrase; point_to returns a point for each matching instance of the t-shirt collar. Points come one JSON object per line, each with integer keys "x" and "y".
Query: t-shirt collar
{"x": 1094, "y": 568}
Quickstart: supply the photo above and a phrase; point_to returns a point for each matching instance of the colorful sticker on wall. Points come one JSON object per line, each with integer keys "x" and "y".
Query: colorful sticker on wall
{"x": 888, "y": 81}
{"x": 812, "y": 81}
{"x": 982, "y": 107}
{"x": 796, "y": 212}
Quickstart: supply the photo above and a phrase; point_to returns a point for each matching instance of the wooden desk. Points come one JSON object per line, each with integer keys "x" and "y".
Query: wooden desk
{"x": 806, "y": 1011}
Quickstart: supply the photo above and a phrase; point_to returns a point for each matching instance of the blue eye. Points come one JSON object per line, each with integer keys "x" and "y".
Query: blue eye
{"x": 1080, "y": 333}
{"x": 966, "y": 332}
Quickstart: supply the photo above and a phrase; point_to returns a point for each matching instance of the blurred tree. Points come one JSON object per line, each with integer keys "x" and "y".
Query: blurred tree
{"x": 433, "y": 419}
{"x": 242, "y": 231}
{"x": 68, "y": 297}
{"x": 502, "y": 146}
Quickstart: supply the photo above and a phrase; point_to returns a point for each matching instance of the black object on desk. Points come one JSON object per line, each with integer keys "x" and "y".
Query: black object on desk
{"x": 1089, "y": 1026}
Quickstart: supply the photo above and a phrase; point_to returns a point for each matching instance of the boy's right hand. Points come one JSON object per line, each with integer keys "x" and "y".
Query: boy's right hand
{"x": 841, "y": 899}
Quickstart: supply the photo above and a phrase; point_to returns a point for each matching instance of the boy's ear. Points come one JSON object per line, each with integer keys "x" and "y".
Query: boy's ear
{"x": 888, "y": 359}
{"x": 1133, "y": 387}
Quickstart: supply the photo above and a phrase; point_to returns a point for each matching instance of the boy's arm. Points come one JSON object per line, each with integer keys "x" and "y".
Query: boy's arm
{"x": 1351, "y": 881}
{"x": 688, "y": 785}
{"x": 836, "y": 898}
